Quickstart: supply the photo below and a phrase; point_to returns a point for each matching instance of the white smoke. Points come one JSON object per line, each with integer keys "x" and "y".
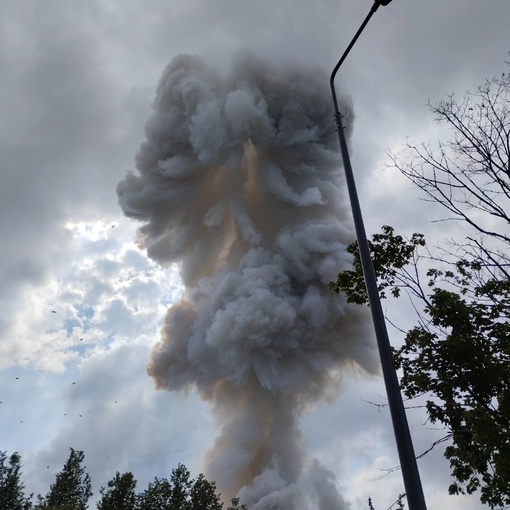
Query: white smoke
{"x": 239, "y": 181}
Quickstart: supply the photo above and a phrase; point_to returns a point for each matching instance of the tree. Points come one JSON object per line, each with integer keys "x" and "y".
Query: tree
{"x": 72, "y": 488}
{"x": 181, "y": 487}
{"x": 203, "y": 495}
{"x": 458, "y": 354}
{"x": 12, "y": 489}
{"x": 119, "y": 494}
{"x": 157, "y": 496}
{"x": 235, "y": 505}
{"x": 66, "y": 506}
{"x": 180, "y": 492}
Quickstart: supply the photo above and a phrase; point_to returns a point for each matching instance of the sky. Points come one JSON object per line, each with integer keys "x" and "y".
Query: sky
{"x": 82, "y": 305}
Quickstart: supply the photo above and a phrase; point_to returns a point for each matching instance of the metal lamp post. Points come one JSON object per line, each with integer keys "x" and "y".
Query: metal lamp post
{"x": 410, "y": 473}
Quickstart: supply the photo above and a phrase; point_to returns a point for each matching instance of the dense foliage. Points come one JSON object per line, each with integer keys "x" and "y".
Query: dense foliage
{"x": 119, "y": 494}
{"x": 73, "y": 489}
{"x": 458, "y": 354}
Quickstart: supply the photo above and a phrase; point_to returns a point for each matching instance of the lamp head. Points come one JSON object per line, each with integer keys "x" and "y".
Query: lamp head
{"x": 383, "y": 2}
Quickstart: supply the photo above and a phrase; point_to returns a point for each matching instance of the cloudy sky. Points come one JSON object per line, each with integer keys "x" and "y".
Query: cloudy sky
{"x": 82, "y": 305}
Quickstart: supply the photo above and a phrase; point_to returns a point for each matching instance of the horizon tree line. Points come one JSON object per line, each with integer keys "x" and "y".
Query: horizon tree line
{"x": 72, "y": 490}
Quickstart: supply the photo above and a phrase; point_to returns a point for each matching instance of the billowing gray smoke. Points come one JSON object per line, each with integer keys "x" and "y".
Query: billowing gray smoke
{"x": 239, "y": 182}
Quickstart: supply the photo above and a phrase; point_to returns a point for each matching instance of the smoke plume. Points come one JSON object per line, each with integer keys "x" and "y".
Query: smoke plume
{"x": 239, "y": 182}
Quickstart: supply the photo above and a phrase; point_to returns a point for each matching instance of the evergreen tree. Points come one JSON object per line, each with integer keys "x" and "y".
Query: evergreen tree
{"x": 203, "y": 495}
{"x": 67, "y": 506}
{"x": 72, "y": 488}
{"x": 120, "y": 494}
{"x": 12, "y": 490}
{"x": 157, "y": 496}
{"x": 180, "y": 492}
{"x": 181, "y": 488}
{"x": 235, "y": 505}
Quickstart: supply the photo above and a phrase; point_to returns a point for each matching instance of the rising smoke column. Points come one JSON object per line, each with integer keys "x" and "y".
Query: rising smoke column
{"x": 239, "y": 182}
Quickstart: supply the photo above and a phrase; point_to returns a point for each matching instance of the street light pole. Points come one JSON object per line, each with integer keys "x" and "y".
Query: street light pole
{"x": 410, "y": 473}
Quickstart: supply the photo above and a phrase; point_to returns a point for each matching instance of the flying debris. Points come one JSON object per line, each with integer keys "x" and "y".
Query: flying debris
{"x": 239, "y": 181}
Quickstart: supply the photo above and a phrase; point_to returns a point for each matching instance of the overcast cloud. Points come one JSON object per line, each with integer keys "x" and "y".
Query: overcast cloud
{"x": 78, "y": 80}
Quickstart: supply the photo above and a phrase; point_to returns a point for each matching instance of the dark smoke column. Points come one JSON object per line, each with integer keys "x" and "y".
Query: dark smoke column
{"x": 238, "y": 182}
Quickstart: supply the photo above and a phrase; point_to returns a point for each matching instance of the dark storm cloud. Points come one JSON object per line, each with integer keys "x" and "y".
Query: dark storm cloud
{"x": 58, "y": 118}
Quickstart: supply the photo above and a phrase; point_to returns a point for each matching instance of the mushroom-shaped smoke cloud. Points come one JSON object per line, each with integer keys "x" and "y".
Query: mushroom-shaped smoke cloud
{"x": 238, "y": 181}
